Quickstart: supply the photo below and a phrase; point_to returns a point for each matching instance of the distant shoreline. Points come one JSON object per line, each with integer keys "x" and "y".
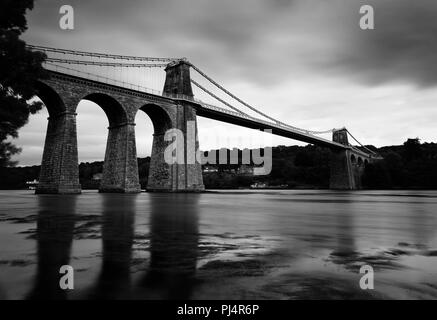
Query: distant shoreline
{"x": 411, "y": 166}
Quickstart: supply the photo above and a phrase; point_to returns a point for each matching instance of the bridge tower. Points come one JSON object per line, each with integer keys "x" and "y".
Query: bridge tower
{"x": 347, "y": 167}
{"x": 185, "y": 176}
{"x": 178, "y": 80}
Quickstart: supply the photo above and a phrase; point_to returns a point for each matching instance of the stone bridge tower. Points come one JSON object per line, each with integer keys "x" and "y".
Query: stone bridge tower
{"x": 185, "y": 176}
{"x": 347, "y": 165}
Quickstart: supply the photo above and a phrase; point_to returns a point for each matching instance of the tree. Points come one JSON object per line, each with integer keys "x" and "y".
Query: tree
{"x": 304, "y": 158}
{"x": 413, "y": 149}
{"x": 376, "y": 176}
{"x": 19, "y": 70}
{"x": 395, "y": 167}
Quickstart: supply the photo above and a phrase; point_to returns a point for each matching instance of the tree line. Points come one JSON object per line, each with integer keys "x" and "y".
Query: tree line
{"x": 412, "y": 165}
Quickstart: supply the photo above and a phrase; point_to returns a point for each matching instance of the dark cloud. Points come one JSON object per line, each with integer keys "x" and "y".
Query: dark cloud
{"x": 401, "y": 48}
{"x": 263, "y": 41}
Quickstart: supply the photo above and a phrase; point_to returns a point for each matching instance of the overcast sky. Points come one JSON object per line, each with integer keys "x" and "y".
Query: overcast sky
{"x": 306, "y": 62}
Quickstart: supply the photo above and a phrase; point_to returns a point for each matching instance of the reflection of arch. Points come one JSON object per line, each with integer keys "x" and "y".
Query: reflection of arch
{"x": 158, "y": 173}
{"x": 50, "y": 98}
{"x": 353, "y": 159}
{"x": 360, "y": 161}
{"x": 174, "y": 240}
{"x": 346, "y": 251}
{"x": 118, "y": 215}
{"x": 113, "y": 109}
{"x": 159, "y": 116}
{"x": 54, "y": 234}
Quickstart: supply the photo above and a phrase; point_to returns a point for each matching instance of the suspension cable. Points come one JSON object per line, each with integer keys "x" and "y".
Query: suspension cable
{"x": 371, "y": 151}
{"x": 322, "y": 132}
{"x": 219, "y": 99}
{"x": 100, "y": 55}
{"x": 253, "y": 108}
{"x": 233, "y": 96}
{"x": 107, "y": 64}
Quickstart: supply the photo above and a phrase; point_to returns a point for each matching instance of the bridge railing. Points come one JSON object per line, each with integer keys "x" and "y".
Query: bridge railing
{"x": 206, "y": 105}
{"x": 98, "y": 78}
{"x": 240, "y": 115}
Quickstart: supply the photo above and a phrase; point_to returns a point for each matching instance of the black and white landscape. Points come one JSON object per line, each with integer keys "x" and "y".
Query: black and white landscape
{"x": 218, "y": 150}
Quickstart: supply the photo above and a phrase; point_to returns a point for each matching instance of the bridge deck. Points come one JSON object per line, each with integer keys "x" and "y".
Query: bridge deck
{"x": 216, "y": 113}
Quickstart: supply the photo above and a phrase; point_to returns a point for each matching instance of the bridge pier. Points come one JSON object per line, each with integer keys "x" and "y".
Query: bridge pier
{"x": 59, "y": 171}
{"x": 159, "y": 178}
{"x": 187, "y": 176}
{"x": 177, "y": 177}
{"x": 342, "y": 174}
{"x": 120, "y": 169}
{"x": 347, "y": 167}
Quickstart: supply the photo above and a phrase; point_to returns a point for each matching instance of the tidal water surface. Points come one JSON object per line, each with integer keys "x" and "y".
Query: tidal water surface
{"x": 275, "y": 244}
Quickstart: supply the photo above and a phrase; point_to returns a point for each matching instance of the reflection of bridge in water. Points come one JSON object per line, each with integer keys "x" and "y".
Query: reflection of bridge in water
{"x": 174, "y": 238}
{"x": 175, "y": 108}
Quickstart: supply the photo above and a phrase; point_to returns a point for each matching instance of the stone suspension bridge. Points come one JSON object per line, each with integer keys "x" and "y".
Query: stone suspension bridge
{"x": 173, "y": 108}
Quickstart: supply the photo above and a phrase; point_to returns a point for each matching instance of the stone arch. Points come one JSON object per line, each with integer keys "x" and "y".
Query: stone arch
{"x": 353, "y": 159}
{"x": 159, "y": 116}
{"x": 120, "y": 169}
{"x": 177, "y": 175}
{"x": 159, "y": 176}
{"x": 366, "y": 162}
{"x": 360, "y": 161}
{"x": 51, "y": 99}
{"x": 114, "y": 111}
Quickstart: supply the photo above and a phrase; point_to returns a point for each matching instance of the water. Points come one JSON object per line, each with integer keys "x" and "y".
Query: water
{"x": 221, "y": 245}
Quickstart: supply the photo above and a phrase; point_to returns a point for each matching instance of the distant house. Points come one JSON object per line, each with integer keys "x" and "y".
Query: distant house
{"x": 97, "y": 176}
{"x": 32, "y": 184}
{"x": 245, "y": 170}
{"x": 258, "y": 185}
